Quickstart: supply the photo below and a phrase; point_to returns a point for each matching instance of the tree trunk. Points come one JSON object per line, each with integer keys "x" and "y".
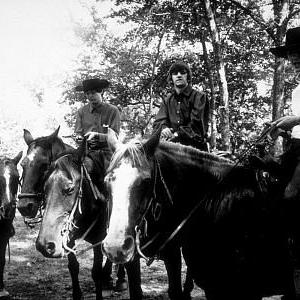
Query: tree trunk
{"x": 278, "y": 99}
{"x": 222, "y": 82}
{"x": 212, "y": 113}
{"x": 281, "y": 18}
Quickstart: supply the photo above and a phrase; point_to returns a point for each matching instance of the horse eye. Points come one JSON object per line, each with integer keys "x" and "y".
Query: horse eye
{"x": 69, "y": 191}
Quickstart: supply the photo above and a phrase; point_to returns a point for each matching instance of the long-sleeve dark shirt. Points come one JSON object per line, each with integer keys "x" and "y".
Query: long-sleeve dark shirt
{"x": 189, "y": 109}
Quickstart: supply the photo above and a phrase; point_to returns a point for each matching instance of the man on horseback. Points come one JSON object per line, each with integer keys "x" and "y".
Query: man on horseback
{"x": 290, "y": 126}
{"x": 184, "y": 113}
{"x": 93, "y": 117}
{"x": 291, "y": 158}
{"x": 92, "y": 121}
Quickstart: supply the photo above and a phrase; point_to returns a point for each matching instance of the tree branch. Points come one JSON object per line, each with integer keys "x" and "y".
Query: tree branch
{"x": 257, "y": 18}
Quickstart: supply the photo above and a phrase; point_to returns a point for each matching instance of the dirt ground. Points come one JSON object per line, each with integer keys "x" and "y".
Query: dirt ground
{"x": 28, "y": 275}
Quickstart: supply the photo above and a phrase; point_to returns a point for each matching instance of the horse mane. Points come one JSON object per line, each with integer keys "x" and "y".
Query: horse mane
{"x": 234, "y": 183}
{"x": 63, "y": 161}
{"x": 132, "y": 149}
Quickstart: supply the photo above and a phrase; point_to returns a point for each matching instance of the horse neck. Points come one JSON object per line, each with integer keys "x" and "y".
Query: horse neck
{"x": 181, "y": 160}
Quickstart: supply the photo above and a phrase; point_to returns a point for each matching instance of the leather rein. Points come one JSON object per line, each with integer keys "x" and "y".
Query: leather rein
{"x": 157, "y": 176}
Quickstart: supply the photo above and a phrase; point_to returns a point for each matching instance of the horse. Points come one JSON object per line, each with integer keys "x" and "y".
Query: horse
{"x": 75, "y": 208}
{"x": 41, "y": 153}
{"x": 9, "y": 182}
{"x": 230, "y": 225}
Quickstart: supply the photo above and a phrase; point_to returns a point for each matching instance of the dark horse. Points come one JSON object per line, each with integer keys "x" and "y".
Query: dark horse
{"x": 230, "y": 225}
{"x": 73, "y": 209}
{"x": 9, "y": 181}
{"x": 41, "y": 153}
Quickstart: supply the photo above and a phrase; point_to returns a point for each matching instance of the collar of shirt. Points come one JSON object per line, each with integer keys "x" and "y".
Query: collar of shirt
{"x": 186, "y": 91}
{"x": 97, "y": 108}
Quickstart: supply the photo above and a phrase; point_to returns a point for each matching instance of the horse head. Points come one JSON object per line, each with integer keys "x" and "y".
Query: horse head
{"x": 9, "y": 181}
{"x": 71, "y": 205}
{"x": 40, "y": 154}
{"x": 128, "y": 179}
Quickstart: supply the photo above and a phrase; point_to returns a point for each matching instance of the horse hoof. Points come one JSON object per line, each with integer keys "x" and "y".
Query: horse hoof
{"x": 107, "y": 293}
{"x": 121, "y": 285}
{"x": 4, "y": 294}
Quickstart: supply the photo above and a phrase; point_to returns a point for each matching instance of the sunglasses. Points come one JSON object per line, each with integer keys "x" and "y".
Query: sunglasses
{"x": 181, "y": 71}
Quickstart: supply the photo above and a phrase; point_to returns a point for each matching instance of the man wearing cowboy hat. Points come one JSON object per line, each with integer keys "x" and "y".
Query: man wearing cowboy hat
{"x": 94, "y": 117}
{"x": 91, "y": 121}
{"x": 291, "y": 52}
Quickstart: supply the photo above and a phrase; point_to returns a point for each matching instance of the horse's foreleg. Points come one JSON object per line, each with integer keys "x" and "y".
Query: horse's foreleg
{"x": 97, "y": 271}
{"x": 73, "y": 266}
{"x": 172, "y": 260}
{"x": 133, "y": 269}
{"x": 3, "y": 244}
{"x": 188, "y": 285}
{"x": 107, "y": 280}
{"x": 121, "y": 284}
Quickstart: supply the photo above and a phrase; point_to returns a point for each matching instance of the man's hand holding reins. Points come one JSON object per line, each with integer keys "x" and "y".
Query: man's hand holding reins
{"x": 166, "y": 134}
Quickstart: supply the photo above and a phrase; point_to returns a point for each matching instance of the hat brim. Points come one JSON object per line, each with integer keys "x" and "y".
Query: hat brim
{"x": 282, "y": 51}
{"x": 79, "y": 88}
{"x": 99, "y": 85}
{"x": 279, "y": 51}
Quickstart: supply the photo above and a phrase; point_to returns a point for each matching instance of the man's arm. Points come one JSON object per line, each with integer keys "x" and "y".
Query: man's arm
{"x": 287, "y": 122}
{"x": 198, "y": 126}
{"x": 162, "y": 117}
{"x": 115, "y": 121}
{"x": 78, "y": 131}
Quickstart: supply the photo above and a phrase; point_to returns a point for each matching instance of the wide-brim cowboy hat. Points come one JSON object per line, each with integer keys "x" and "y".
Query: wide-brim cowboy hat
{"x": 94, "y": 84}
{"x": 292, "y": 42}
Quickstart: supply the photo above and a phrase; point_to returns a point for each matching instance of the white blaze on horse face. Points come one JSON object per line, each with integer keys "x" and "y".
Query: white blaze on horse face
{"x": 6, "y": 175}
{"x": 125, "y": 176}
{"x": 31, "y": 156}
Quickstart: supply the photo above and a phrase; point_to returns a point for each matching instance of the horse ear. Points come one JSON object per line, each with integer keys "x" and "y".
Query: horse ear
{"x": 151, "y": 145}
{"x": 27, "y": 136}
{"x": 55, "y": 133}
{"x": 17, "y": 158}
{"x": 112, "y": 139}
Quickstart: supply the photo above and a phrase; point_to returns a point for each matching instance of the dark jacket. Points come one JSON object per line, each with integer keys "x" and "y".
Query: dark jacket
{"x": 186, "y": 113}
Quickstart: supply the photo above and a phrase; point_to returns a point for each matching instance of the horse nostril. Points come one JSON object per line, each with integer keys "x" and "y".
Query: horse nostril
{"x": 128, "y": 243}
{"x": 50, "y": 248}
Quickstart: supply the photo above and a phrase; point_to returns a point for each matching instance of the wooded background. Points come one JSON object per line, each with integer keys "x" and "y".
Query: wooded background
{"x": 225, "y": 42}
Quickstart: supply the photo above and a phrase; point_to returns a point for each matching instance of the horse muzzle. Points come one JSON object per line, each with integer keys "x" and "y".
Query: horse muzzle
{"x": 49, "y": 249}
{"x": 28, "y": 204}
{"x": 119, "y": 252}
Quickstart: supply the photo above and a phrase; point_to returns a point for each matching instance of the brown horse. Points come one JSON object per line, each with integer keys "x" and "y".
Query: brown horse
{"x": 76, "y": 208}
{"x": 41, "y": 153}
{"x": 230, "y": 225}
{"x": 9, "y": 181}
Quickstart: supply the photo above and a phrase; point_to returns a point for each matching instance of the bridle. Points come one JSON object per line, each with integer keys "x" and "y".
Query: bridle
{"x": 40, "y": 197}
{"x": 157, "y": 170}
{"x": 69, "y": 224}
{"x": 154, "y": 205}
